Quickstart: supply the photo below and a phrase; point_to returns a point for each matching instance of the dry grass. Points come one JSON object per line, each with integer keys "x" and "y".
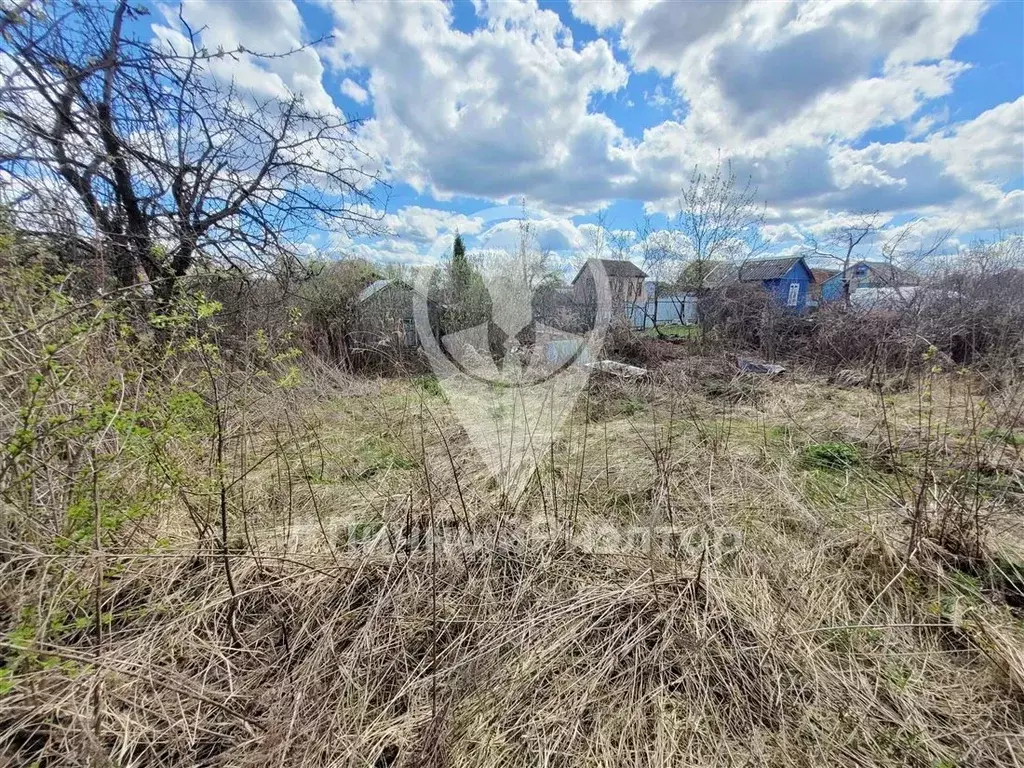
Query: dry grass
{"x": 813, "y": 617}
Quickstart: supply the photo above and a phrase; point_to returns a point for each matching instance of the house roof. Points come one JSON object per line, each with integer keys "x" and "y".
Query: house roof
{"x": 374, "y": 288}
{"x": 377, "y": 286}
{"x": 768, "y": 269}
{"x": 891, "y": 273}
{"x": 613, "y": 268}
{"x": 884, "y": 272}
{"x": 720, "y": 273}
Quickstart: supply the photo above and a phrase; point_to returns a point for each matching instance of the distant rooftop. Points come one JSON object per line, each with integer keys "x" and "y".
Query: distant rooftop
{"x": 886, "y": 272}
{"x": 766, "y": 269}
{"x": 373, "y": 288}
{"x": 613, "y": 268}
{"x": 721, "y": 273}
{"x": 823, "y": 274}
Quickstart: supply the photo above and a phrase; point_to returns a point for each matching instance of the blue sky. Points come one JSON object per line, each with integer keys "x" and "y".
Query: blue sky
{"x": 581, "y": 108}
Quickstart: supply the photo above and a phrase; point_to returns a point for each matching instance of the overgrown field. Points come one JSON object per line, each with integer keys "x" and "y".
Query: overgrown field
{"x": 221, "y": 554}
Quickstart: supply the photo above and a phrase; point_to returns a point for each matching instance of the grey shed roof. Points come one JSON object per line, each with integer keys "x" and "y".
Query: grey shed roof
{"x": 379, "y": 285}
{"x": 613, "y": 268}
{"x": 766, "y": 269}
{"x": 718, "y": 274}
{"x": 373, "y": 288}
{"x": 885, "y": 272}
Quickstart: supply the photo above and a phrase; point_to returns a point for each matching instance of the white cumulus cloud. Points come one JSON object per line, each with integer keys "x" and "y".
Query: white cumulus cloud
{"x": 354, "y": 91}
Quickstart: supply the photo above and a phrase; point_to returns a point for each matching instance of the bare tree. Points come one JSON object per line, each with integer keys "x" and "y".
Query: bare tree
{"x": 524, "y": 264}
{"x": 721, "y": 223}
{"x": 720, "y": 220}
{"x": 142, "y": 155}
{"x": 974, "y": 308}
{"x": 902, "y": 246}
{"x": 595, "y": 238}
{"x": 655, "y": 254}
{"x": 843, "y": 244}
{"x": 534, "y": 264}
{"x": 898, "y": 249}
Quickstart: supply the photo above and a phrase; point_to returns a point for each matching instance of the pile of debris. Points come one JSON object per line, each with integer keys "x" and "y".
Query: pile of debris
{"x": 757, "y": 366}
{"x": 617, "y": 369}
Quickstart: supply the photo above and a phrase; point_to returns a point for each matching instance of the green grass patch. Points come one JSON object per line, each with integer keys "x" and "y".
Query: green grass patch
{"x": 631, "y": 407}
{"x": 378, "y": 453}
{"x": 1007, "y": 436}
{"x": 830, "y": 456}
{"x": 674, "y": 332}
{"x": 430, "y": 385}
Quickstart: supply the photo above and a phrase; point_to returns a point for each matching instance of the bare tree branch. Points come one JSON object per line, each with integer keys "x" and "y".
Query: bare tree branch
{"x": 150, "y": 151}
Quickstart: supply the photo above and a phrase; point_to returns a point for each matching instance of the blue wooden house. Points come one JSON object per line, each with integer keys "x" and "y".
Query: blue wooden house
{"x": 787, "y": 280}
{"x": 865, "y": 274}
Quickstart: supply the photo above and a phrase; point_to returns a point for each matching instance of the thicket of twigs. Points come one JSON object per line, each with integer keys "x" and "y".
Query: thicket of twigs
{"x": 967, "y": 312}
{"x": 214, "y": 551}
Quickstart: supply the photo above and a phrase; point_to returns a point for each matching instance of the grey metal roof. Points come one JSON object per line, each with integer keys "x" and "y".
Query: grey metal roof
{"x": 379, "y": 285}
{"x": 886, "y": 273}
{"x": 766, "y": 269}
{"x": 373, "y": 288}
{"x": 613, "y": 268}
{"x": 718, "y": 274}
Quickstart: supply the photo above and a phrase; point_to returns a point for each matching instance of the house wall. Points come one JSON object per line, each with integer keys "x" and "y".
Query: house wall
{"x": 388, "y": 316}
{"x": 630, "y": 289}
{"x": 832, "y": 289}
{"x": 859, "y": 275}
{"x": 815, "y": 288}
{"x": 780, "y": 288}
{"x": 623, "y": 291}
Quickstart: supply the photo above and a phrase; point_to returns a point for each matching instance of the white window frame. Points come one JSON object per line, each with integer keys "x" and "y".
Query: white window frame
{"x": 794, "y": 295}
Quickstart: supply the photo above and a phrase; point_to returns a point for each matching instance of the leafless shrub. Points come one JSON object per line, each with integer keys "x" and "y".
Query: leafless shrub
{"x": 749, "y": 318}
{"x": 624, "y": 344}
{"x": 880, "y": 344}
{"x": 974, "y": 310}
{"x": 968, "y": 311}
